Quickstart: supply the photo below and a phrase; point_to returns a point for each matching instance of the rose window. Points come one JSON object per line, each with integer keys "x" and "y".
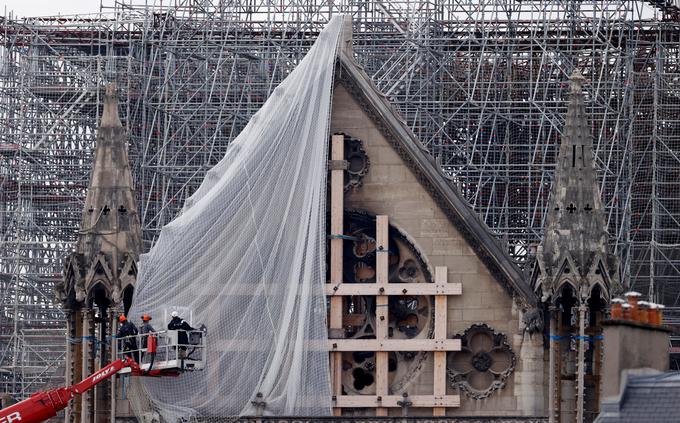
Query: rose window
{"x": 410, "y": 317}
{"x": 483, "y": 364}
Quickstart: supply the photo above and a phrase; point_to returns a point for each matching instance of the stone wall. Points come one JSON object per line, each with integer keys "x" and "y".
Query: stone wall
{"x": 390, "y": 188}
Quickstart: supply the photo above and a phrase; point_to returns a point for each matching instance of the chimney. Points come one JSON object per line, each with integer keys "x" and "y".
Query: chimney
{"x": 632, "y": 346}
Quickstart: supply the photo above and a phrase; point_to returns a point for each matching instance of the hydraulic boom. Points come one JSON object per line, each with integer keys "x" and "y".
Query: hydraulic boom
{"x": 44, "y": 405}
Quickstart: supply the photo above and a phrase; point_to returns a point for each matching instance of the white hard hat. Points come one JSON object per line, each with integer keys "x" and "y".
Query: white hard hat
{"x": 174, "y": 314}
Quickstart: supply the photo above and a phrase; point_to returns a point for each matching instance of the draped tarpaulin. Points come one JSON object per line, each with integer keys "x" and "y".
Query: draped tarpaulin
{"x": 247, "y": 258}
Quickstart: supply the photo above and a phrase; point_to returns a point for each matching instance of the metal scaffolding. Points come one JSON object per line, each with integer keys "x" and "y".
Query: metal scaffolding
{"x": 483, "y": 84}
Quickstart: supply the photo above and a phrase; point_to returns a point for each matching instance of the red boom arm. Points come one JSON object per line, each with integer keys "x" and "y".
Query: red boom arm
{"x": 44, "y": 405}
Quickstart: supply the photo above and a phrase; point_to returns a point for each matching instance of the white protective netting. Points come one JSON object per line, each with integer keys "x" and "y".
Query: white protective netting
{"x": 247, "y": 258}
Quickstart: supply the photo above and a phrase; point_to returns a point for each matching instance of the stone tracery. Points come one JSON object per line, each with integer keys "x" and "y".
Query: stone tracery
{"x": 483, "y": 364}
{"x": 409, "y": 316}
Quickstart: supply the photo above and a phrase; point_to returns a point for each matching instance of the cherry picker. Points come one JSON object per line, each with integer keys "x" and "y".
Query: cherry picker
{"x": 173, "y": 360}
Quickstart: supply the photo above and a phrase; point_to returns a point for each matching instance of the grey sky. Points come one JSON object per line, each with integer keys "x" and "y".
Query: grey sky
{"x": 50, "y": 7}
{"x": 70, "y": 7}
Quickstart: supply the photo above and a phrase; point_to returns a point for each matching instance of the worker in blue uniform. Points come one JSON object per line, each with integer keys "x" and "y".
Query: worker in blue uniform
{"x": 128, "y": 330}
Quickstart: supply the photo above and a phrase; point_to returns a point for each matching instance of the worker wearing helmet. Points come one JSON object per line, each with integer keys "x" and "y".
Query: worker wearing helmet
{"x": 128, "y": 332}
{"x": 146, "y": 328}
{"x": 179, "y": 324}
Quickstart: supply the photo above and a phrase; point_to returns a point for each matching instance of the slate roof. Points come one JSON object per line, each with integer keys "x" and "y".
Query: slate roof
{"x": 424, "y": 166}
{"x": 653, "y": 398}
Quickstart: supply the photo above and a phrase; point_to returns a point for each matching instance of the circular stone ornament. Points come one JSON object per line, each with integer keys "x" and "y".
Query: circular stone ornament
{"x": 483, "y": 364}
{"x": 410, "y": 316}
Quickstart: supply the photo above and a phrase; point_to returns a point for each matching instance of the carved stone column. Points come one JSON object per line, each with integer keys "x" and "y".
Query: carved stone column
{"x": 581, "y": 363}
{"x": 554, "y": 374}
{"x": 86, "y": 398}
{"x": 74, "y": 353}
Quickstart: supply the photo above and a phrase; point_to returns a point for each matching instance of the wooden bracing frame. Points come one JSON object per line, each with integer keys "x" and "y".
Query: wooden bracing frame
{"x": 382, "y": 289}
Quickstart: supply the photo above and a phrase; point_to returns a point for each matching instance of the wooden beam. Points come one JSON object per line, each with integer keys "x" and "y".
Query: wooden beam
{"x": 337, "y": 228}
{"x": 394, "y": 289}
{"x": 394, "y": 345}
{"x": 381, "y": 309}
{"x": 440, "y": 303}
{"x": 440, "y": 323}
{"x": 381, "y": 379}
{"x": 418, "y": 401}
{"x": 382, "y": 273}
{"x": 417, "y": 344}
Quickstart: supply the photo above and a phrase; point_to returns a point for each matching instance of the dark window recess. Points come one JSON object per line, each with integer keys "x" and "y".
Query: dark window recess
{"x": 106, "y": 210}
{"x": 583, "y": 155}
{"x": 122, "y": 210}
{"x": 573, "y": 156}
{"x": 571, "y": 208}
{"x": 90, "y": 210}
{"x": 362, "y": 378}
{"x": 588, "y": 208}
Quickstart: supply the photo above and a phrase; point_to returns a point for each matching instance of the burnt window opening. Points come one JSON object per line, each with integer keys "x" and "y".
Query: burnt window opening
{"x": 571, "y": 208}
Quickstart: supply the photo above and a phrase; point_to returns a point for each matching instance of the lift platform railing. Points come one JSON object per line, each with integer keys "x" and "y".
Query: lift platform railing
{"x": 163, "y": 350}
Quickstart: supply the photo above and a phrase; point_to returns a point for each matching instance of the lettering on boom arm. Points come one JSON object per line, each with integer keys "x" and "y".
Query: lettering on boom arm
{"x": 13, "y": 417}
{"x": 102, "y": 374}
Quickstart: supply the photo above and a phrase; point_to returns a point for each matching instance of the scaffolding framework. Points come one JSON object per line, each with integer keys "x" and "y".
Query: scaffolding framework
{"x": 483, "y": 84}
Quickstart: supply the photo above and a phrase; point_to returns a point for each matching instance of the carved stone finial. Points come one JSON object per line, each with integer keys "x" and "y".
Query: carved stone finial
{"x": 110, "y": 116}
{"x": 577, "y": 80}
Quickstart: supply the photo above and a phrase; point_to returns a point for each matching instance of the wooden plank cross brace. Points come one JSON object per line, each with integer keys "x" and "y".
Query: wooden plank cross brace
{"x": 381, "y": 306}
{"x": 336, "y": 303}
{"x": 382, "y": 345}
{"x": 440, "y": 306}
{"x": 382, "y": 289}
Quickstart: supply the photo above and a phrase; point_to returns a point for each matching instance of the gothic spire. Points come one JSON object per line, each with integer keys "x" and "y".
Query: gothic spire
{"x": 110, "y": 236}
{"x": 575, "y": 236}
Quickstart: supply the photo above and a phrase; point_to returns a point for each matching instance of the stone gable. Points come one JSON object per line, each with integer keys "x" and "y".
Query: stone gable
{"x": 391, "y": 188}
